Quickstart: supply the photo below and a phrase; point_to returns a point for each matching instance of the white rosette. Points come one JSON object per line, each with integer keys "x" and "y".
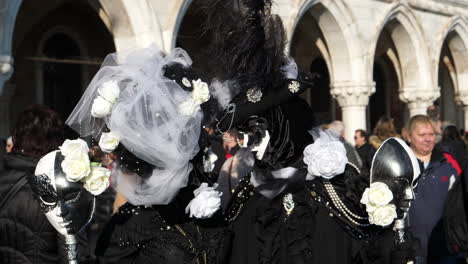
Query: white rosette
{"x": 326, "y": 157}
{"x": 206, "y": 202}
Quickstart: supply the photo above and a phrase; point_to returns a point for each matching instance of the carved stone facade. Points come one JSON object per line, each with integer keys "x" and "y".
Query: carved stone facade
{"x": 379, "y": 54}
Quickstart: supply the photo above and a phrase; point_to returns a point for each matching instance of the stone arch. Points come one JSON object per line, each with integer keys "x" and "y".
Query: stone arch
{"x": 339, "y": 30}
{"x": 183, "y": 7}
{"x": 408, "y": 38}
{"x": 452, "y": 71}
{"x": 456, "y": 38}
{"x": 129, "y": 23}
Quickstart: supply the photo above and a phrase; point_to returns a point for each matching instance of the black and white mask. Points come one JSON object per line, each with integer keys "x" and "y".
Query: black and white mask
{"x": 396, "y": 165}
{"x": 68, "y": 206}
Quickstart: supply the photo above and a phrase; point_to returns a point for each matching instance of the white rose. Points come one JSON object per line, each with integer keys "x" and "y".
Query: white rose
{"x": 365, "y": 200}
{"x": 97, "y": 181}
{"x": 76, "y": 148}
{"x": 109, "y": 91}
{"x": 379, "y": 194}
{"x": 109, "y": 141}
{"x": 201, "y": 92}
{"x": 76, "y": 168}
{"x": 383, "y": 215}
{"x": 325, "y": 158}
{"x": 101, "y": 107}
{"x": 188, "y": 107}
{"x": 206, "y": 202}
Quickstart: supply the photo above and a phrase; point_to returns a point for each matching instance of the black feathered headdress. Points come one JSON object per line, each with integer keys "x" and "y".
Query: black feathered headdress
{"x": 247, "y": 49}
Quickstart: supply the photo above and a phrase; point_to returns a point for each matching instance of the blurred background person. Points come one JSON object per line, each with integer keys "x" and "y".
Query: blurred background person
{"x": 364, "y": 149}
{"x": 453, "y": 143}
{"x": 434, "y": 114}
{"x": 9, "y": 144}
{"x": 26, "y": 234}
{"x": 438, "y": 170}
{"x": 338, "y": 128}
{"x": 383, "y": 130}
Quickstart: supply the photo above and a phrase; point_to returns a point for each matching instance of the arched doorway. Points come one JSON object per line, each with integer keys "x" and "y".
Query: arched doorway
{"x": 450, "y": 112}
{"x": 396, "y": 68}
{"x": 58, "y": 47}
{"x": 310, "y": 50}
{"x": 192, "y": 38}
{"x": 61, "y": 83}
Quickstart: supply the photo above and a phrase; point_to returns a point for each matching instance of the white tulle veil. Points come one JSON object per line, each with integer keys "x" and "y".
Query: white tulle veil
{"x": 147, "y": 119}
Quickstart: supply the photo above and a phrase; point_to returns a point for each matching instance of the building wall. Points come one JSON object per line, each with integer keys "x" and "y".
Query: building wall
{"x": 350, "y": 31}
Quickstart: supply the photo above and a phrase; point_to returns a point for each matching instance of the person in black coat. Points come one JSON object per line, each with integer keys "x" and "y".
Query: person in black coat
{"x": 452, "y": 143}
{"x": 364, "y": 149}
{"x": 26, "y": 234}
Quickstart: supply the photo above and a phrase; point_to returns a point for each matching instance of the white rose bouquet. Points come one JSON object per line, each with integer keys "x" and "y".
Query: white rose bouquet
{"x": 77, "y": 167}
{"x": 377, "y": 199}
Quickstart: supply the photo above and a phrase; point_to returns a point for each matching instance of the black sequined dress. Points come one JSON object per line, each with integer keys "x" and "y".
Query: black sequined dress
{"x": 156, "y": 234}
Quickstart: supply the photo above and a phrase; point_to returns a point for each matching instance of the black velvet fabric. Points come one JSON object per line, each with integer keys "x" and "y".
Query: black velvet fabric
{"x": 314, "y": 232}
{"x": 158, "y": 234}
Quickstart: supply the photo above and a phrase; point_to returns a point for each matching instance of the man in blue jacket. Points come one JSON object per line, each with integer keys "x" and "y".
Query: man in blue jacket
{"x": 439, "y": 172}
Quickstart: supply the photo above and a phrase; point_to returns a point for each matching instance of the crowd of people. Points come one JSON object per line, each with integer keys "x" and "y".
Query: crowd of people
{"x": 230, "y": 168}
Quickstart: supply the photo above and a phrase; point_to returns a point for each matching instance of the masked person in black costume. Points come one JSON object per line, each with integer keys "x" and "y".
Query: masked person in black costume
{"x": 278, "y": 205}
{"x": 144, "y": 106}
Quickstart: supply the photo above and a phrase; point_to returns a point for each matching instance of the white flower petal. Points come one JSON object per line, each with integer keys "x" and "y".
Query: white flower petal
{"x": 380, "y": 194}
{"x": 75, "y": 169}
{"x": 97, "y": 181}
{"x": 101, "y": 107}
{"x": 325, "y": 158}
{"x": 109, "y": 141}
{"x": 206, "y": 202}
{"x": 74, "y": 148}
{"x": 109, "y": 91}
{"x": 383, "y": 215}
{"x": 201, "y": 92}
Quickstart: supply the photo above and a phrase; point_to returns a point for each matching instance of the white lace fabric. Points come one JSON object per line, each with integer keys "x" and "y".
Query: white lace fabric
{"x": 146, "y": 116}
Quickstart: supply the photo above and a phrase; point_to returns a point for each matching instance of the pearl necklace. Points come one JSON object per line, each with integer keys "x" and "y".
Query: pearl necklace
{"x": 352, "y": 217}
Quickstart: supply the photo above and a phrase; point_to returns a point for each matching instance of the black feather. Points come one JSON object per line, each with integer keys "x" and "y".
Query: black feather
{"x": 247, "y": 42}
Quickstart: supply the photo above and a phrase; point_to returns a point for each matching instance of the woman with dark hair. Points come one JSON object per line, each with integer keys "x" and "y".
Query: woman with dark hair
{"x": 26, "y": 235}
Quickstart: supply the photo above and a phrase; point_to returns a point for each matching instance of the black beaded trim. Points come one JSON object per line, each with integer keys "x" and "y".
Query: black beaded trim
{"x": 240, "y": 196}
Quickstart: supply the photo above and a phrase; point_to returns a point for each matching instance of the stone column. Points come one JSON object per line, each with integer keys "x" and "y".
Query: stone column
{"x": 353, "y": 99}
{"x": 6, "y": 69}
{"x": 418, "y": 100}
{"x": 462, "y": 99}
